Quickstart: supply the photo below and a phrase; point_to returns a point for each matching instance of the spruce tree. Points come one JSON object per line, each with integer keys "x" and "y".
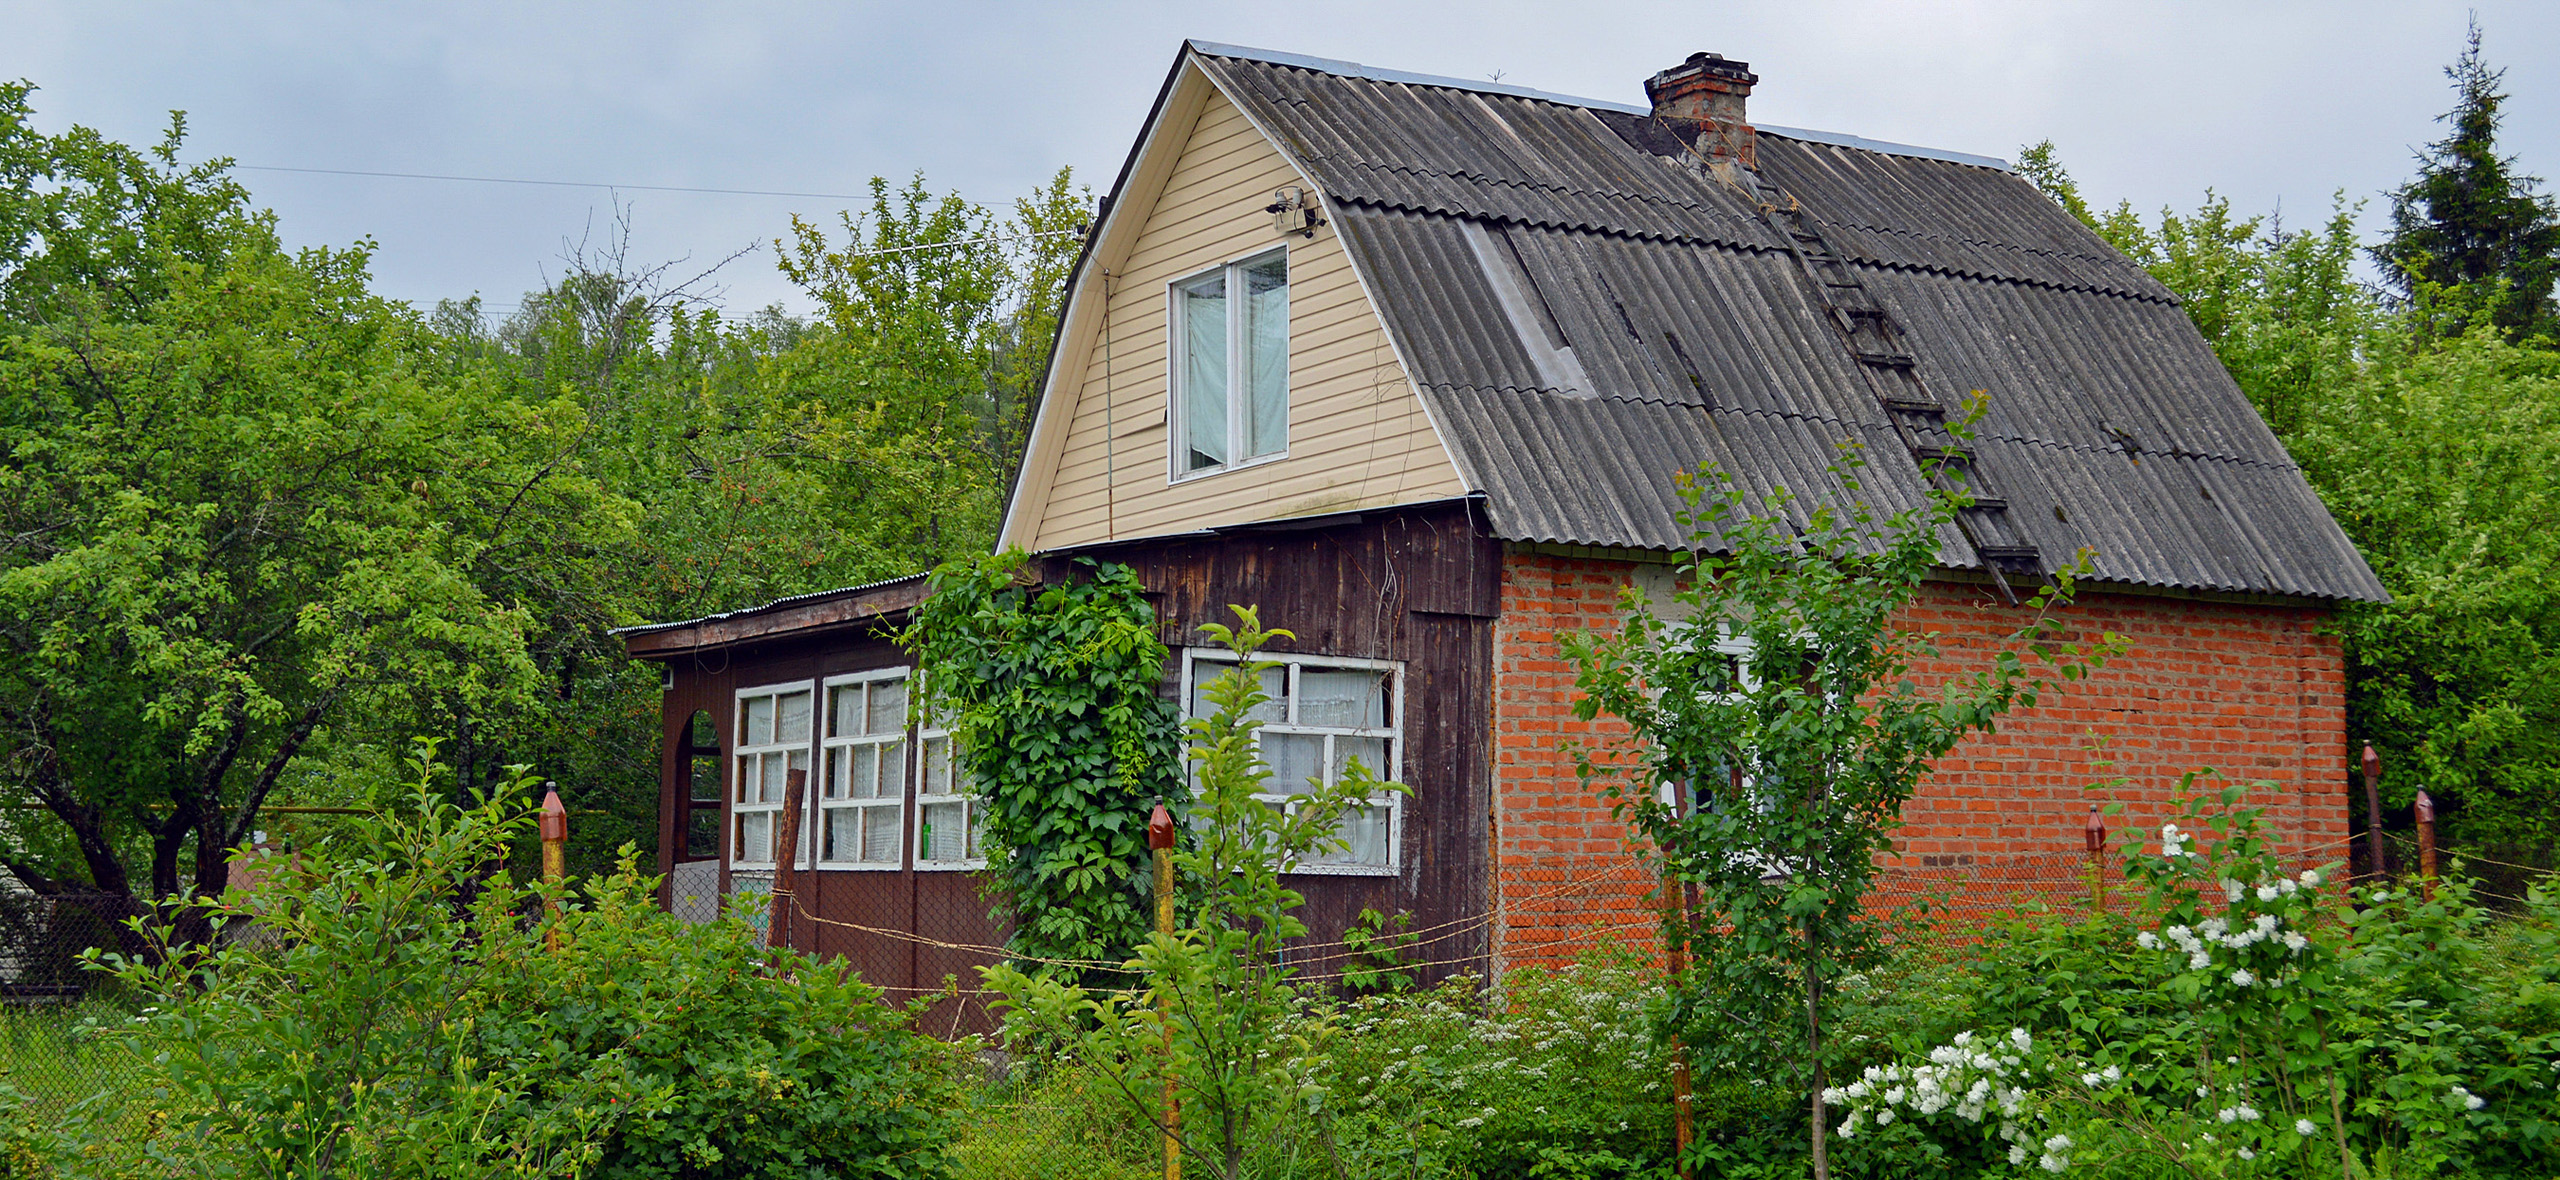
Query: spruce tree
{"x": 2471, "y": 235}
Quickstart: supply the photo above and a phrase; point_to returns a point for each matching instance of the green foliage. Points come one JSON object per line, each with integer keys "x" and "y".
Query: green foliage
{"x": 232, "y": 512}
{"x": 938, "y": 330}
{"x": 2471, "y": 240}
{"x": 257, "y": 525}
{"x": 1776, "y": 693}
{"x": 1051, "y": 694}
{"x": 390, "y": 1009}
{"x": 2439, "y": 466}
{"x": 1375, "y": 952}
{"x": 2433, "y": 446}
{"x": 1045, "y": 1123}
{"x": 1212, "y": 1013}
{"x": 2245, "y": 1020}
{"x": 1553, "y": 1074}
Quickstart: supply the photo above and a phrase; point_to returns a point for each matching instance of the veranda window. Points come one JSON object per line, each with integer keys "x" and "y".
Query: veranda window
{"x": 862, "y": 810}
{"x": 949, "y": 824}
{"x": 1231, "y": 365}
{"x": 1324, "y": 713}
{"x": 773, "y": 740}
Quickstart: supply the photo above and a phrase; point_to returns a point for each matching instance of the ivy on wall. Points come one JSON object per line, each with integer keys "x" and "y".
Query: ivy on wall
{"x": 1051, "y": 690}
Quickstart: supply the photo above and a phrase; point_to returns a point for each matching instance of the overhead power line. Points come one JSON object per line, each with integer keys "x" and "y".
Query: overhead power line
{"x": 1077, "y": 232}
{"x": 655, "y": 188}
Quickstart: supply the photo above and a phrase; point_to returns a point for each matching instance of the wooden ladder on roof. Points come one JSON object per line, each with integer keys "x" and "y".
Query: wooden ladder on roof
{"x": 1919, "y": 418}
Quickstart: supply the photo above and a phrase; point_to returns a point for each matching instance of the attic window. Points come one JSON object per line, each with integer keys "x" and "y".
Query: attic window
{"x": 1231, "y": 365}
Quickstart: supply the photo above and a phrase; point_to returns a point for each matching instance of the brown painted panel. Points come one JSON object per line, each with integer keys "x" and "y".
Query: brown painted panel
{"x": 1417, "y": 585}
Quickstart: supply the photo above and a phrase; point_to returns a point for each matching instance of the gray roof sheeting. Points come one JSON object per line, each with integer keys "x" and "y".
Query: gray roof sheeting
{"x": 1587, "y": 318}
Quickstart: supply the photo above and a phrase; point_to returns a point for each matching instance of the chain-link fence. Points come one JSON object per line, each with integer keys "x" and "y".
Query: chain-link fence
{"x": 50, "y": 1002}
{"x": 930, "y": 950}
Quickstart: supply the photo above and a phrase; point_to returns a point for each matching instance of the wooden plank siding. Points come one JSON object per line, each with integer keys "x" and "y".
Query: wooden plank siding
{"x": 1418, "y": 585}
{"x": 1358, "y": 435}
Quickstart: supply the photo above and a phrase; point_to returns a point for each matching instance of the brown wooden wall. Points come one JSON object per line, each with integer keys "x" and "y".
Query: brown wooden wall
{"x": 1419, "y": 585}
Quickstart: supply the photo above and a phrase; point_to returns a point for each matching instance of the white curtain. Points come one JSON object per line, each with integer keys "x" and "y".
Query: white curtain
{"x": 1267, "y": 356}
{"x": 1204, "y": 373}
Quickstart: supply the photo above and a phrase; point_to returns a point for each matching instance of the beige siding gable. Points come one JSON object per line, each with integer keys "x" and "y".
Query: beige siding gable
{"x": 1358, "y": 434}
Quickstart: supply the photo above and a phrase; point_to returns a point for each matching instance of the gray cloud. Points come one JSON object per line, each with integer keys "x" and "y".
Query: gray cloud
{"x": 2266, "y": 102}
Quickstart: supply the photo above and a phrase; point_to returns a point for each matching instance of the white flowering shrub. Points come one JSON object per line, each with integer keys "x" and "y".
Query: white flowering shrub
{"x": 2255, "y": 1017}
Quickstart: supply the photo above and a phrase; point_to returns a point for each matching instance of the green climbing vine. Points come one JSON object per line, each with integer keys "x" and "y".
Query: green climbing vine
{"x": 1051, "y": 692}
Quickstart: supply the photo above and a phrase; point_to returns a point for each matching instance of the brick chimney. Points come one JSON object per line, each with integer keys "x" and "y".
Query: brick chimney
{"x": 1701, "y": 99}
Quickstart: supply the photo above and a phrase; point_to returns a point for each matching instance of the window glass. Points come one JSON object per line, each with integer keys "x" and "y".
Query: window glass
{"x": 1204, "y": 372}
{"x": 862, "y": 812}
{"x": 773, "y": 724}
{"x": 1231, "y": 367}
{"x": 950, "y": 820}
{"x": 1266, "y": 335}
{"x": 1324, "y": 714}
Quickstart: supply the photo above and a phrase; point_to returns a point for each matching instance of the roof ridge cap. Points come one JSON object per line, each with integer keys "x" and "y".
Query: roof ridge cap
{"x": 1351, "y": 69}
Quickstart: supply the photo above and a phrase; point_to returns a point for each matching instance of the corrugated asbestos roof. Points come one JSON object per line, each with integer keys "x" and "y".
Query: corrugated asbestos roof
{"x": 1587, "y": 317}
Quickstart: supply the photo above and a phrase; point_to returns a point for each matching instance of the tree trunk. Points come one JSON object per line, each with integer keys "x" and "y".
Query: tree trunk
{"x": 168, "y": 838}
{"x": 1813, "y": 1049}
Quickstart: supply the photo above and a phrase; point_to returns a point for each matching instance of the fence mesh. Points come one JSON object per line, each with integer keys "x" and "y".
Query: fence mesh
{"x": 47, "y": 998}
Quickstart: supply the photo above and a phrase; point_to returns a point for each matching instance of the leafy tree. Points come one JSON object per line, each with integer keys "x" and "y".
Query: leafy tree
{"x": 2470, "y": 235}
{"x": 234, "y": 513}
{"x": 763, "y": 456}
{"x": 2444, "y": 465}
{"x": 940, "y": 325}
{"x": 2435, "y": 452}
{"x": 1778, "y": 695}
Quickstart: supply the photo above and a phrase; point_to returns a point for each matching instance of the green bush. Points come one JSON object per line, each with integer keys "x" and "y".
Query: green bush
{"x": 1555, "y": 1073}
{"x": 2246, "y": 1020}
{"x": 399, "y": 1012}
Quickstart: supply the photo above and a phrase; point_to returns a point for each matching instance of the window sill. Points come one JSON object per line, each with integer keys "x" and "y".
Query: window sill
{"x": 1342, "y": 871}
{"x": 949, "y": 866}
{"x": 1229, "y": 469}
{"x": 859, "y": 867}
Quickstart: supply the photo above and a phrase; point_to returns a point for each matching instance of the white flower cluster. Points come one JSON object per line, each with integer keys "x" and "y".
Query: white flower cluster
{"x": 1970, "y": 1077}
{"x": 2105, "y": 1077}
{"x": 2463, "y": 1098}
{"x": 2198, "y": 943}
{"x": 2173, "y": 843}
{"x": 2233, "y": 891}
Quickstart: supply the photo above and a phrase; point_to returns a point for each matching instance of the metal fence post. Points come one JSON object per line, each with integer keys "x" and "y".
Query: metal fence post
{"x": 2427, "y": 845}
{"x": 1160, "y": 843}
{"x": 777, "y": 923}
{"x": 2373, "y": 807}
{"x": 1675, "y": 964}
{"x": 555, "y": 852}
{"x": 2094, "y": 834}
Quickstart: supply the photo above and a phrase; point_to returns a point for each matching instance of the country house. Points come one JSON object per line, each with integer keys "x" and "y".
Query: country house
{"x": 1412, "y": 362}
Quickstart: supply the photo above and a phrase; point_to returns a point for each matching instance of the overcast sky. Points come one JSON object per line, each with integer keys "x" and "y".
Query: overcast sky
{"x": 2262, "y": 101}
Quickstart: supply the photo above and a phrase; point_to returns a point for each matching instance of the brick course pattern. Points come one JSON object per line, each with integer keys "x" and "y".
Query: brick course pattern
{"x": 2252, "y": 691}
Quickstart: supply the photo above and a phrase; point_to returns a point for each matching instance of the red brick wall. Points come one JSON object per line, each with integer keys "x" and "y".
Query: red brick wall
{"x": 2251, "y": 691}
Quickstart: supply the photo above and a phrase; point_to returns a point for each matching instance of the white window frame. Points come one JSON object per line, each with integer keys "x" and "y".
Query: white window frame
{"x": 1239, "y": 361}
{"x": 731, "y": 837}
{"x": 1292, "y": 664}
{"x": 831, "y": 745}
{"x": 960, "y": 795}
{"x": 1740, "y": 648}
{"x": 1772, "y": 866}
